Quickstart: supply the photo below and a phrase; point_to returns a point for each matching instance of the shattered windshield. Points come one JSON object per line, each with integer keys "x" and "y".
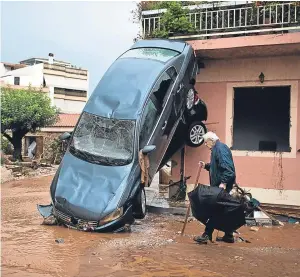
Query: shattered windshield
{"x": 159, "y": 54}
{"x": 103, "y": 140}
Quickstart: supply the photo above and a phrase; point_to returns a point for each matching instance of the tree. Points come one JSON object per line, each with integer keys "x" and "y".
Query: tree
{"x": 174, "y": 20}
{"x": 23, "y": 111}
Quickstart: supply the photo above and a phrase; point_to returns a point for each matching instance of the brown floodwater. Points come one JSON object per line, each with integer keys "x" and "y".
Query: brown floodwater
{"x": 153, "y": 248}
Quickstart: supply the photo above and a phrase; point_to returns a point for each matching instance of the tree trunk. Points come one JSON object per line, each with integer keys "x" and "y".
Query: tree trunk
{"x": 17, "y": 143}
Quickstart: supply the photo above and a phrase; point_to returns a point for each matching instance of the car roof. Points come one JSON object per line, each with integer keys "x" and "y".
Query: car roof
{"x": 123, "y": 90}
{"x": 161, "y": 43}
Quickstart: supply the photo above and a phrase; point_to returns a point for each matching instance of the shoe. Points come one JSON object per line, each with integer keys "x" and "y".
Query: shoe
{"x": 226, "y": 238}
{"x": 203, "y": 239}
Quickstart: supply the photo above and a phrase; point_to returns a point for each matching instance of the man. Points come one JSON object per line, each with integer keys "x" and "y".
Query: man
{"x": 221, "y": 173}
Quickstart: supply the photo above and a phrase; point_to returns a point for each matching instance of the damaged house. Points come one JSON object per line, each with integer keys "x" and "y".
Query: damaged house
{"x": 249, "y": 78}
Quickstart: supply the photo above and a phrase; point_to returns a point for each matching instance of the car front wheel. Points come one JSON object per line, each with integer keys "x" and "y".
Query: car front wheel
{"x": 139, "y": 204}
{"x": 195, "y": 134}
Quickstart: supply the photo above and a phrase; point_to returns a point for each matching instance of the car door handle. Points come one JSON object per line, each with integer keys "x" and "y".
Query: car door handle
{"x": 179, "y": 88}
{"x": 165, "y": 125}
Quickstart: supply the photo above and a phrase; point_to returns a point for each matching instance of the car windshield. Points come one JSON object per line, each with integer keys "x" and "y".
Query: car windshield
{"x": 103, "y": 140}
{"x": 159, "y": 54}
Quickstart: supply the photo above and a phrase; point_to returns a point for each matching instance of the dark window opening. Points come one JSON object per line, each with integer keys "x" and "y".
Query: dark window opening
{"x": 262, "y": 119}
{"x": 70, "y": 92}
{"x": 161, "y": 88}
{"x": 16, "y": 81}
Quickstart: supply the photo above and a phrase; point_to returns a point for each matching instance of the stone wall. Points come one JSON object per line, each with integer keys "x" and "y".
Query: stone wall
{"x": 48, "y": 146}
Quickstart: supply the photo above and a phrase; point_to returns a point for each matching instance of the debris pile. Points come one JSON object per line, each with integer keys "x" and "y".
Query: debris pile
{"x": 19, "y": 170}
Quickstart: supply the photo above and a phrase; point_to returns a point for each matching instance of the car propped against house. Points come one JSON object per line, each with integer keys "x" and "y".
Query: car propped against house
{"x": 135, "y": 108}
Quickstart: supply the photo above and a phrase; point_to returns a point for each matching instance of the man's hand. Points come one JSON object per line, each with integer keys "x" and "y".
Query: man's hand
{"x": 222, "y": 186}
{"x": 202, "y": 164}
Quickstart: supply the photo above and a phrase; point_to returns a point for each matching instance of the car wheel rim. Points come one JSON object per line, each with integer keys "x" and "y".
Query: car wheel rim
{"x": 190, "y": 99}
{"x": 196, "y": 134}
{"x": 143, "y": 202}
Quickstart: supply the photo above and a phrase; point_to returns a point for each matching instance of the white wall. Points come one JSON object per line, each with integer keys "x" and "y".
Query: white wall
{"x": 3, "y": 70}
{"x": 65, "y": 82}
{"x": 32, "y": 75}
{"x": 69, "y": 106}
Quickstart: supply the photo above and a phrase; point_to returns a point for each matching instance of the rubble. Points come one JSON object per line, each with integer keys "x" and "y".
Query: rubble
{"x": 60, "y": 240}
{"x": 6, "y": 175}
{"x": 10, "y": 172}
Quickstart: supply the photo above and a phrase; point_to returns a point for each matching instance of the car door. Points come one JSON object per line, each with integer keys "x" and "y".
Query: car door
{"x": 161, "y": 98}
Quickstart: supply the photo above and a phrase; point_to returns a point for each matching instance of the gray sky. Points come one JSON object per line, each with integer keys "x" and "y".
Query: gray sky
{"x": 88, "y": 34}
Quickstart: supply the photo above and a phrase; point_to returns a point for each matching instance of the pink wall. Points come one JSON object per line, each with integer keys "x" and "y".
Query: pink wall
{"x": 260, "y": 172}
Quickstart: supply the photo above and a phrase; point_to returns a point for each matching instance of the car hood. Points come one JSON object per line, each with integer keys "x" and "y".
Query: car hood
{"x": 90, "y": 191}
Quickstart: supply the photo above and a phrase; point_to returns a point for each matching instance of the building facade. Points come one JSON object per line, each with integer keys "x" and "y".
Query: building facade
{"x": 250, "y": 81}
{"x": 66, "y": 85}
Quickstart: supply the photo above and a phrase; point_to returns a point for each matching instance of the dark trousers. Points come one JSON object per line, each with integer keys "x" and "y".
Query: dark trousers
{"x": 209, "y": 230}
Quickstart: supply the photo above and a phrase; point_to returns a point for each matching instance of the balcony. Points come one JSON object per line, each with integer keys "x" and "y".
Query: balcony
{"x": 70, "y": 92}
{"x": 231, "y": 20}
{"x": 65, "y": 69}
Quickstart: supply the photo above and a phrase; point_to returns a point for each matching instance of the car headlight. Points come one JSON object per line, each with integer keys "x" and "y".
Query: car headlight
{"x": 112, "y": 216}
{"x": 190, "y": 99}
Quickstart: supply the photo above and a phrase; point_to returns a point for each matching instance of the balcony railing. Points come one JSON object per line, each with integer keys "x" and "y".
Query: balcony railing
{"x": 235, "y": 20}
{"x": 65, "y": 69}
{"x": 70, "y": 92}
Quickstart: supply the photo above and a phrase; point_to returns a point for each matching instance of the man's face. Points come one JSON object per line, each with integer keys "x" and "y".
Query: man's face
{"x": 209, "y": 144}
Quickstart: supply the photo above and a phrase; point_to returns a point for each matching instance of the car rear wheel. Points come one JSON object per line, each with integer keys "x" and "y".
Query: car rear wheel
{"x": 195, "y": 134}
{"x": 139, "y": 204}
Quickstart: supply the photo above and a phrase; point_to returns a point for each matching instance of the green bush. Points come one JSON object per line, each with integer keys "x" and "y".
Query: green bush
{"x": 57, "y": 151}
{"x": 6, "y": 146}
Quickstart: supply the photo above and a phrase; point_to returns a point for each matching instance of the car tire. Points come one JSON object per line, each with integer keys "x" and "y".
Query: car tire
{"x": 195, "y": 131}
{"x": 139, "y": 204}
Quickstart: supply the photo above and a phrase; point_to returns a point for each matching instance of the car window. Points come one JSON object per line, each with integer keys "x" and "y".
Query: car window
{"x": 191, "y": 67}
{"x": 159, "y": 54}
{"x": 148, "y": 122}
{"x": 162, "y": 86}
{"x": 172, "y": 72}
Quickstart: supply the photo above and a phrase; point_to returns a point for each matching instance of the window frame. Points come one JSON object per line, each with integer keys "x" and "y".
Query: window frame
{"x": 293, "y": 118}
{"x": 152, "y": 97}
{"x": 236, "y": 120}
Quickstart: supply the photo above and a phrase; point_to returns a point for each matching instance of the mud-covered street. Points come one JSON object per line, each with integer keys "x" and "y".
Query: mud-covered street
{"x": 153, "y": 248}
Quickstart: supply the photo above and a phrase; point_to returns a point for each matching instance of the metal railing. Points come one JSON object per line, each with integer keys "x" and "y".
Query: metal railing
{"x": 237, "y": 20}
{"x": 70, "y": 92}
{"x": 65, "y": 69}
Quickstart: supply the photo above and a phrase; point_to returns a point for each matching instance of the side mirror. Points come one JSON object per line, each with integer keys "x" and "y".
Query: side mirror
{"x": 65, "y": 136}
{"x": 148, "y": 149}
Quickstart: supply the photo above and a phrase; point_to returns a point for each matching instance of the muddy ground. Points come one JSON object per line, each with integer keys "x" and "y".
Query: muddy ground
{"x": 153, "y": 248}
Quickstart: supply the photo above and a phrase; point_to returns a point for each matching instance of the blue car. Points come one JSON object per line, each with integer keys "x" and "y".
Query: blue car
{"x": 135, "y": 109}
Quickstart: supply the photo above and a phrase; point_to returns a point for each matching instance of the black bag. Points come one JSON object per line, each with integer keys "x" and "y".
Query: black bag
{"x": 225, "y": 213}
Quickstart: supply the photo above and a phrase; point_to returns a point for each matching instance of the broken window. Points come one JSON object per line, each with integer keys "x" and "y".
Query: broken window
{"x": 148, "y": 122}
{"x": 161, "y": 88}
{"x": 262, "y": 119}
{"x": 103, "y": 140}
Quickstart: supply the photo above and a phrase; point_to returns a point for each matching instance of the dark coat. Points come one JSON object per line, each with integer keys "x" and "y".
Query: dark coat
{"x": 221, "y": 167}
